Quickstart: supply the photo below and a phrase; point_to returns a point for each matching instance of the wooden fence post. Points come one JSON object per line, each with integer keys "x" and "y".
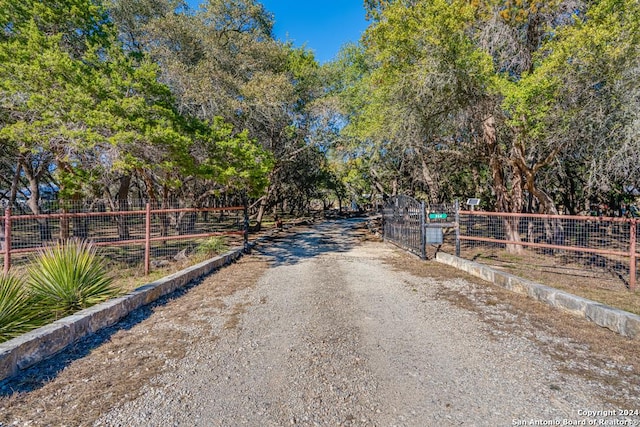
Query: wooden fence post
{"x": 147, "y": 240}
{"x": 632, "y": 254}
{"x": 7, "y": 240}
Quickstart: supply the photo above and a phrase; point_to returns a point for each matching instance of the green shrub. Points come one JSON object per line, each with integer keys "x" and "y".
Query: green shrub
{"x": 68, "y": 277}
{"x": 17, "y": 312}
{"x": 212, "y": 246}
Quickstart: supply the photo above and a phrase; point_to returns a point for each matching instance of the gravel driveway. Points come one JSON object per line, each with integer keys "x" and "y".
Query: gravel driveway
{"x": 315, "y": 328}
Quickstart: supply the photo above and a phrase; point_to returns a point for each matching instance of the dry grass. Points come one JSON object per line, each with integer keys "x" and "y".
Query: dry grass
{"x": 599, "y": 284}
{"x": 579, "y": 347}
{"x": 112, "y": 366}
{"x": 129, "y": 278}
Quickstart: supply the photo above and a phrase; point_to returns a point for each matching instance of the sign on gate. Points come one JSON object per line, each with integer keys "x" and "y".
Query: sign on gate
{"x": 434, "y": 215}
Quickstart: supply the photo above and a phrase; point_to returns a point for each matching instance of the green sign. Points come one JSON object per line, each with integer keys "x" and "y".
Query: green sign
{"x": 437, "y": 216}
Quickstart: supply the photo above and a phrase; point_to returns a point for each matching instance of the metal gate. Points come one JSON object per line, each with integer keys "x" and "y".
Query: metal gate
{"x": 411, "y": 225}
{"x": 403, "y": 224}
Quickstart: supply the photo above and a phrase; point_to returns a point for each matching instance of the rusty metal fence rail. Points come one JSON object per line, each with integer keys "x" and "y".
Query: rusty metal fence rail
{"x": 606, "y": 245}
{"x": 589, "y": 242}
{"x": 136, "y": 235}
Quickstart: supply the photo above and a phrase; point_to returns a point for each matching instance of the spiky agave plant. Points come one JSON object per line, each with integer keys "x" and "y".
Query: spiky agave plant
{"x": 68, "y": 277}
{"x": 17, "y": 311}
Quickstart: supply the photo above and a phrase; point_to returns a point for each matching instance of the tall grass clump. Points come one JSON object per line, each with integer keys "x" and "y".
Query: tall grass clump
{"x": 17, "y": 311}
{"x": 68, "y": 277}
{"x": 212, "y": 246}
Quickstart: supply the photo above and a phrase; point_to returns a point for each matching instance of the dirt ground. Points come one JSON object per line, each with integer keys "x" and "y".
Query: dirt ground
{"x": 580, "y": 347}
{"x": 602, "y": 284}
{"x": 117, "y": 365}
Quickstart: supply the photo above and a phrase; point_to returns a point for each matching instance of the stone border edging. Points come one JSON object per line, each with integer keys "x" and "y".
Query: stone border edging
{"x": 35, "y": 346}
{"x": 619, "y": 321}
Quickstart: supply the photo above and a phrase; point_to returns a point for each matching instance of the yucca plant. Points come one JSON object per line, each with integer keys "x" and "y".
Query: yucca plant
{"x": 17, "y": 311}
{"x": 68, "y": 277}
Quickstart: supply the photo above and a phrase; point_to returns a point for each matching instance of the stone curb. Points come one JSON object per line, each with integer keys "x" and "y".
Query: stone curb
{"x": 620, "y": 321}
{"x": 35, "y": 346}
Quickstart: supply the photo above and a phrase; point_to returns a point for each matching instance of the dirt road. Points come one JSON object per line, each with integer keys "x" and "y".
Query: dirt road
{"x": 325, "y": 327}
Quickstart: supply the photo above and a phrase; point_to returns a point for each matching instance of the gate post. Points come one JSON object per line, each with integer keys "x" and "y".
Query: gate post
{"x": 423, "y": 232}
{"x": 457, "y": 219}
{"x": 147, "y": 239}
{"x": 632, "y": 254}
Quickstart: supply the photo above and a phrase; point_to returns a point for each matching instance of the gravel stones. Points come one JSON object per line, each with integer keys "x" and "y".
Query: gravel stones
{"x": 330, "y": 334}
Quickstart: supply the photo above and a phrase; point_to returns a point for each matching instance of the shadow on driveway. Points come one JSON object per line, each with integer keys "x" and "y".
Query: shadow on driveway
{"x": 285, "y": 249}
{"x": 293, "y": 247}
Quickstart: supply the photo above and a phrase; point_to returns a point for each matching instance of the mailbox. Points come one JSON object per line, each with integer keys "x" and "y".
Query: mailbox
{"x": 434, "y": 235}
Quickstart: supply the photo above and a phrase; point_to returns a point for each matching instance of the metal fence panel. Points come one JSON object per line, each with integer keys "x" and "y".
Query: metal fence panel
{"x": 403, "y": 223}
{"x": 606, "y": 246}
{"x": 127, "y": 234}
{"x": 593, "y": 243}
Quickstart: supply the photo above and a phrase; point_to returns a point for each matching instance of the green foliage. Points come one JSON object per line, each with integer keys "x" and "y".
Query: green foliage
{"x": 76, "y": 101}
{"x": 448, "y": 95}
{"x": 232, "y": 159}
{"x": 212, "y": 246}
{"x": 17, "y": 311}
{"x": 69, "y": 276}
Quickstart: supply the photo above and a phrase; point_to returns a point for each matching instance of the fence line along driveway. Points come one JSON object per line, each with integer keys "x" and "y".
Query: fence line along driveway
{"x": 326, "y": 327}
{"x": 140, "y": 231}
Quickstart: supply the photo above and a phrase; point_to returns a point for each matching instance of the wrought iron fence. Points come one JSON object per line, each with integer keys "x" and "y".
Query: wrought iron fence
{"x": 403, "y": 223}
{"x": 413, "y": 225}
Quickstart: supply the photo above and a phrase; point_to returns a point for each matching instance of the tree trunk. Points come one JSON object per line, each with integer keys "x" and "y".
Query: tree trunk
{"x": 506, "y": 201}
{"x": 15, "y": 183}
{"x": 80, "y": 224}
{"x": 65, "y": 229}
{"x": 34, "y": 201}
{"x": 163, "y": 217}
{"x": 511, "y": 225}
{"x": 264, "y": 204}
{"x": 431, "y": 183}
{"x": 123, "y": 205}
{"x": 554, "y": 231}
{"x": 2, "y": 235}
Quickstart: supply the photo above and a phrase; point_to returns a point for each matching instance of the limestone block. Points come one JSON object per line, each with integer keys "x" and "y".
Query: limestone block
{"x": 40, "y": 343}
{"x": 632, "y": 326}
{"x": 542, "y": 293}
{"x": 571, "y": 303}
{"x": 107, "y": 313}
{"x": 79, "y": 324}
{"x": 8, "y": 364}
{"x": 487, "y": 274}
{"x": 605, "y": 316}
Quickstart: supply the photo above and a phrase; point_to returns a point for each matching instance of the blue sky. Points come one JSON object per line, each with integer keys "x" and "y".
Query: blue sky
{"x": 322, "y": 25}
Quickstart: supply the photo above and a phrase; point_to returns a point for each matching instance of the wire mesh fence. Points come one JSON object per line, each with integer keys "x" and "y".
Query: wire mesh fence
{"x": 600, "y": 250}
{"x": 556, "y": 243}
{"x": 128, "y": 234}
